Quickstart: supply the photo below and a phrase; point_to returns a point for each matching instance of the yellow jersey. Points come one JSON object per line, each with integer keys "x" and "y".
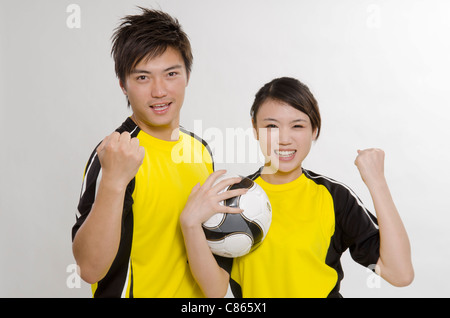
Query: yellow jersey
{"x": 151, "y": 260}
{"x": 314, "y": 220}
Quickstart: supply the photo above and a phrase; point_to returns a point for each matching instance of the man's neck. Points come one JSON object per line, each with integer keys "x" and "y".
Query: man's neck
{"x": 166, "y": 132}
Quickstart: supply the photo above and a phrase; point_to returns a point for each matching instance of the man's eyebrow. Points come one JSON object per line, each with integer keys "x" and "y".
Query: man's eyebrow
{"x": 175, "y": 67}
{"x": 136, "y": 70}
{"x": 141, "y": 71}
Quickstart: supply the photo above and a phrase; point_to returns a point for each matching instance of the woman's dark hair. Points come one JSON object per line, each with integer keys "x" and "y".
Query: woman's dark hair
{"x": 147, "y": 35}
{"x": 292, "y": 92}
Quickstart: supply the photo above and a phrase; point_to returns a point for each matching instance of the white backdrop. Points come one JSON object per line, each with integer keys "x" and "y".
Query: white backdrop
{"x": 379, "y": 70}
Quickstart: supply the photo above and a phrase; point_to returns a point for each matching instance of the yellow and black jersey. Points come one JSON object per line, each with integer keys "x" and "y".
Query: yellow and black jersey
{"x": 314, "y": 220}
{"x": 151, "y": 260}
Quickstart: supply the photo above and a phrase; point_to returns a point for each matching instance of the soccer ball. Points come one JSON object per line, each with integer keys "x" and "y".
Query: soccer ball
{"x": 234, "y": 235}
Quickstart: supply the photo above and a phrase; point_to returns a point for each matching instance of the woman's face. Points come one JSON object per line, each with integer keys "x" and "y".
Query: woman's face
{"x": 285, "y": 136}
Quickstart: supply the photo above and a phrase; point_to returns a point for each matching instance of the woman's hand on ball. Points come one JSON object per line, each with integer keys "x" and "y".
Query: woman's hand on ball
{"x": 204, "y": 200}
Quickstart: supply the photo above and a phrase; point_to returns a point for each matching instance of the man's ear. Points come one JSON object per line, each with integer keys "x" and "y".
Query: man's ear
{"x": 188, "y": 76}
{"x": 122, "y": 86}
{"x": 124, "y": 90}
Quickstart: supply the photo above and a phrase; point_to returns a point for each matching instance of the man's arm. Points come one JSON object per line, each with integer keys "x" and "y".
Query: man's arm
{"x": 97, "y": 240}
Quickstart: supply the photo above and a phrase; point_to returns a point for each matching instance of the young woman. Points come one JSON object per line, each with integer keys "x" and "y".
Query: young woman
{"x": 315, "y": 218}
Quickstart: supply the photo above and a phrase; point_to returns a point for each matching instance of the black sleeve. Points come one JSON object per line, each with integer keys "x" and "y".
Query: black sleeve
{"x": 359, "y": 228}
{"x": 92, "y": 175}
{"x": 224, "y": 262}
{"x": 227, "y": 264}
{"x": 91, "y": 180}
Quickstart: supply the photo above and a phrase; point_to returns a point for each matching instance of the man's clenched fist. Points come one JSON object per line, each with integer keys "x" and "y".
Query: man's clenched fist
{"x": 120, "y": 157}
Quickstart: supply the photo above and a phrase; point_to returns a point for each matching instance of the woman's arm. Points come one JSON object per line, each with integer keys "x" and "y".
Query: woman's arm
{"x": 394, "y": 264}
{"x": 203, "y": 202}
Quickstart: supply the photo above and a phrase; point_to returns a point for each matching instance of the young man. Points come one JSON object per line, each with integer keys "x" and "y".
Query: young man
{"x": 127, "y": 239}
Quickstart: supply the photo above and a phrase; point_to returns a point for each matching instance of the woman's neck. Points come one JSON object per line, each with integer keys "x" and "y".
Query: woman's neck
{"x": 280, "y": 177}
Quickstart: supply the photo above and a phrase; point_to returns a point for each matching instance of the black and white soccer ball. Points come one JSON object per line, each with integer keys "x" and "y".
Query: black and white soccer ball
{"x": 234, "y": 235}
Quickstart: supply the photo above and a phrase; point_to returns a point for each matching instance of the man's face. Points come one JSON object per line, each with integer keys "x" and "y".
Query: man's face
{"x": 156, "y": 89}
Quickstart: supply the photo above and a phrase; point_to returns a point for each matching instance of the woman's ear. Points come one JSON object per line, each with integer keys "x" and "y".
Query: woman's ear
{"x": 315, "y": 134}
{"x": 255, "y": 131}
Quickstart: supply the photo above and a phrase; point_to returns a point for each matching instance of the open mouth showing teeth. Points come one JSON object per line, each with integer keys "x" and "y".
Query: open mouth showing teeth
{"x": 160, "y": 106}
{"x": 285, "y": 153}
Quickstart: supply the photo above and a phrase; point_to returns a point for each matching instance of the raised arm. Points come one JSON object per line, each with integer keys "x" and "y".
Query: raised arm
{"x": 96, "y": 243}
{"x": 394, "y": 264}
{"x": 203, "y": 202}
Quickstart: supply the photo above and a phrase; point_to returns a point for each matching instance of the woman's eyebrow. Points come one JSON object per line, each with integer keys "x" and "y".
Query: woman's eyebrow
{"x": 298, "y": 120}
{"x": 293, "y": 121}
